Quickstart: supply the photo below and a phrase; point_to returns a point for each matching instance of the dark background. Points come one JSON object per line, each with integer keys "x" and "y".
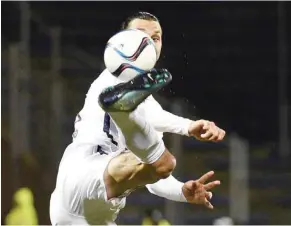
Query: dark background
{"x": 224, "y": 57}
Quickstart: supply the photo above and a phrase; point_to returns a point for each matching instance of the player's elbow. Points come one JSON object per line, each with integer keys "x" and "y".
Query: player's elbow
{"x": 165, "y": 165}
{"x": 166, "y": 170}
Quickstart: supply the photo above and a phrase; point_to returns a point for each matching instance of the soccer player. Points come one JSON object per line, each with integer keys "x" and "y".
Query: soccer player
{"x": 117, "y": 146}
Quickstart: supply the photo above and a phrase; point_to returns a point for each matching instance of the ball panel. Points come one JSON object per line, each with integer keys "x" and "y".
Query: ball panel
{"x": 129, "y": 73}
{"x": 144, "y": 43}
{"x": 112, "y": 60}
{"x": 125, "y": 66}
{"x": 127, "y": 41}
{"x": 147, "y": 58}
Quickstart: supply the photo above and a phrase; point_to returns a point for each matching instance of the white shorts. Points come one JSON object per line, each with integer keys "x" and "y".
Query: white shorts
{"x": 80, "y": 195}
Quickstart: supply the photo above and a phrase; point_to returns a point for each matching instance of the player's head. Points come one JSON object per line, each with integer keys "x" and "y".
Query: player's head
{"x": 149, "y": 24}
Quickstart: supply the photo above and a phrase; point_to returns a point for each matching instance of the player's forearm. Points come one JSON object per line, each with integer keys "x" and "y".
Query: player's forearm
{"x": 170, "y": 123}
{"x": 169, "y": 188}
{"x": 164, "y": 121}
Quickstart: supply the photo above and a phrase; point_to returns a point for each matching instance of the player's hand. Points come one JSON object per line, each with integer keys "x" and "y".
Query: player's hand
{"x": 204, "y": 130}
{"x": 198, "y": 191}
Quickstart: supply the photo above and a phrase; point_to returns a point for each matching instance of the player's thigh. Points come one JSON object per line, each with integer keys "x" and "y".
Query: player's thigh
{"x": 80, "y": 178}
{"x": 97, "y": 208}
{"x": 59, "y": 215}
{"x": 86, "y": 192}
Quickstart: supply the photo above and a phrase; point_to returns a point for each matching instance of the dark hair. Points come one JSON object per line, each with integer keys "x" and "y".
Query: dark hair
{"x": 138, "y": 15}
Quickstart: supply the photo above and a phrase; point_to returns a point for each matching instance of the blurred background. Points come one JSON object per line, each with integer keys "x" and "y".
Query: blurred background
{"x": 230, "y": 63}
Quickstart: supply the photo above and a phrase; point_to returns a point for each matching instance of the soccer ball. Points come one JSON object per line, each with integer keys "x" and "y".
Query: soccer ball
{"x": 129, "y": 53}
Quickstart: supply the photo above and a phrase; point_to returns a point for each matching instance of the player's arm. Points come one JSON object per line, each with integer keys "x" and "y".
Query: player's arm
{"x": 193, "y": 191}
{"x": 164, "y": 121}
{"x": 169, "y": 188}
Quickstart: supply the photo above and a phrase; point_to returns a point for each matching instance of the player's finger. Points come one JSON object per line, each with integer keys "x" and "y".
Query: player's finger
{"x": 206, "y": 125}
{"x": 221, "y": 135}
{"x": 207, "y": 135}
{"x": 215, "y": 135}
{"x": 205, "y": 177}
{"x": 208, "y": 195}
{"x": 195, "y": 185}
{"x": 208, "y": 204}
{"x": 211, "y": 185}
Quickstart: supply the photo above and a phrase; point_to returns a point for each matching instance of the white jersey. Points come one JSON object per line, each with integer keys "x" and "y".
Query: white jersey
{"x": 94, "y": 126}
{"x": 80, "y": 191}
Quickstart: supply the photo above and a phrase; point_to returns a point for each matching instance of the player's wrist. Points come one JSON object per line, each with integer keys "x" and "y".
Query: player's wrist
{"x": 178, "y": 187}
{"x": 183, "y": 198}
{"x": 189, "y": 125}
{"x": 169, "y": 188}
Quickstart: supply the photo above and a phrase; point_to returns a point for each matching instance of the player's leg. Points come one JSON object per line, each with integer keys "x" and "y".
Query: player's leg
{"x": 126, "y": 171}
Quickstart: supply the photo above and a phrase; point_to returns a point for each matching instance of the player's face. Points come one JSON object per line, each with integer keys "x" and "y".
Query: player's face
{"x": 152, "y": 28}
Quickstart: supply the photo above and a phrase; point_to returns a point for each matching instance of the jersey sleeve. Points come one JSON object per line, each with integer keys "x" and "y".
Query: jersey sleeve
{"x": 164, "y": 121}
{"x": 169, "y": 188}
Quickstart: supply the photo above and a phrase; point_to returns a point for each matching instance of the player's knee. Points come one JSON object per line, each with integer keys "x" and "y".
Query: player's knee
{"x": 165, "y": 165}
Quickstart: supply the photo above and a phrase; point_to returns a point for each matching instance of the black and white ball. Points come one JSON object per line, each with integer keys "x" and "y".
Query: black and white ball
{"x": 129, "y": 53}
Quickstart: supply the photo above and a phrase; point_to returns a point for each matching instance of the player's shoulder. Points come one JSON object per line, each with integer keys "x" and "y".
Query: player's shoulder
{"x": 103, "y": 75}
{"x": 105, "y": 78}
